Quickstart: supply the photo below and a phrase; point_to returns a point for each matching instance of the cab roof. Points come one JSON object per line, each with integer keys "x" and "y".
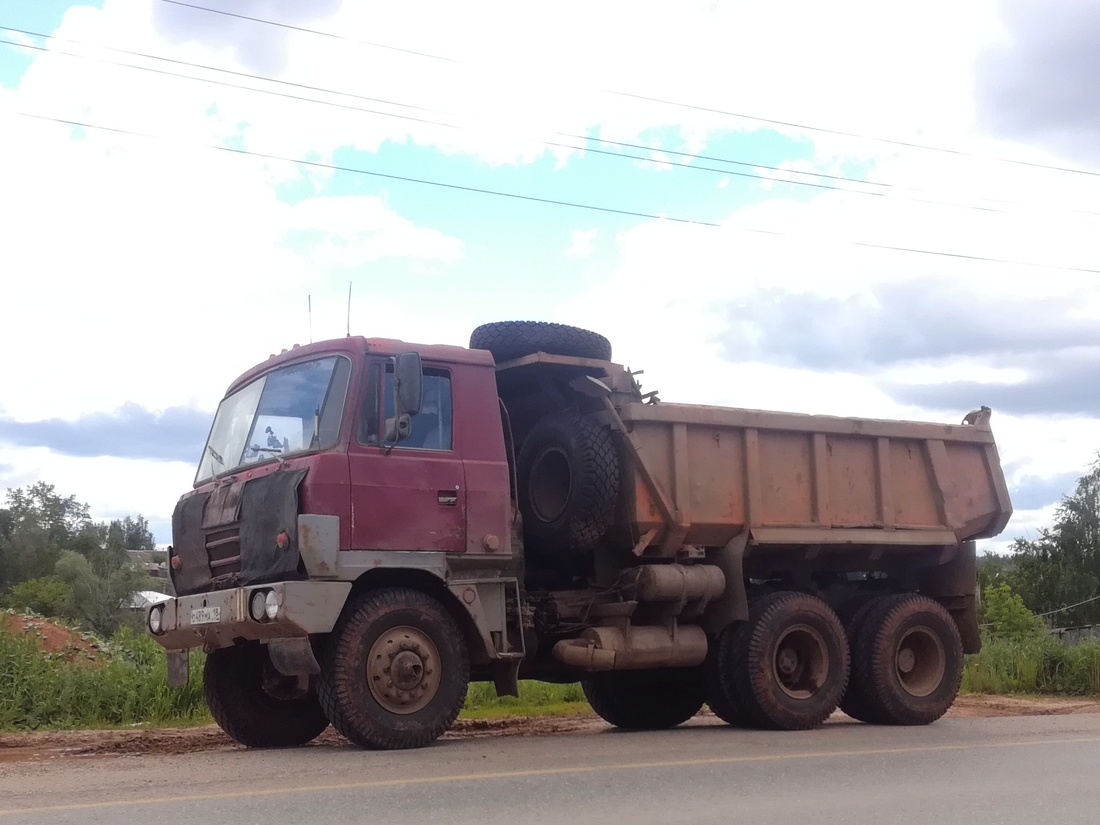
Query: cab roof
{"x": 358, "y": 346}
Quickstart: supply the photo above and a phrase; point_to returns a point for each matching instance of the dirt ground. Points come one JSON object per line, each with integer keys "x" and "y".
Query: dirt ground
{"x": 52, "y": 637}
{"x": 37, "y": 746}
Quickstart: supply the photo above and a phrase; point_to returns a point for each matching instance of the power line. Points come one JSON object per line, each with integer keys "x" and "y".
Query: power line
{"x": 754, "y": 118}
{"x": 552, "y": 201}
{"x": 554, "y": 144}
{"x": 855, "y": 135}
{"x": 227, "y": 84}
{"x": 1068, "y": 607}
{"x": 354, "y": 170}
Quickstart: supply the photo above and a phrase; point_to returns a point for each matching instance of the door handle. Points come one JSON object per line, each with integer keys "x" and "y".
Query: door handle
{"x": 448, "y": 498}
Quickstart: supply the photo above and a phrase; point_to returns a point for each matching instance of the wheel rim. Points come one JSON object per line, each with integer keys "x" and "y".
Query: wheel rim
{"x": 550, "y": 485}
{"x": 921, "y": 661}
{"x": 403, "y": 670}
{"x": 801, "y": 662}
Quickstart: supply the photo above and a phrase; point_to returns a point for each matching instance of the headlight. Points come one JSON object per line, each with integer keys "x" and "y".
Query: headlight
{"x": 257, "y": 605}
{"x": 271, "y": 604}
{"x": 156, "y": 619}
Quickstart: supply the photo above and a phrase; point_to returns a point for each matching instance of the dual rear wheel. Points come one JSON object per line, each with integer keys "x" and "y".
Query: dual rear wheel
{"x": 793, "y": 663}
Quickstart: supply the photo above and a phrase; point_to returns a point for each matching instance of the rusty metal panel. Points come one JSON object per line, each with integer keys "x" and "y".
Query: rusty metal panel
{"x": 975, "y": 492}
{"x": 914, "y": 501}
{"x": 853, "y": 484}
{"x": 786, "y": 478}
{"x": 319, "y": 544}
{"x": 702, "y": 475}
{"x": 716, "y": 459}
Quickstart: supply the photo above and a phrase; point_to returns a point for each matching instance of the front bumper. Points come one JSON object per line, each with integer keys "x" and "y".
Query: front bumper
{"x": 304, "y": 608}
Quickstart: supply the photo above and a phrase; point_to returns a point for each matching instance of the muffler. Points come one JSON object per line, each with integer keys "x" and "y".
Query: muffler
{"x": 634, "y": 648}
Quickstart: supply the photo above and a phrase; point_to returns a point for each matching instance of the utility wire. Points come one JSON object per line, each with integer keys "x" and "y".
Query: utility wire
{"x": 354, "y": 170}
{"x": 554, "y": 144}
{"x": 551, "y": 201}
{"x": 1068, "y": 607}
{"x": 754, "y": 118}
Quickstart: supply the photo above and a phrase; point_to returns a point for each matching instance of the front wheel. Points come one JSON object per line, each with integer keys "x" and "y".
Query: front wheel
{"x": 396, "y": 671}
{"x": 646, "y": 699}
{"x": 254, "y": 704}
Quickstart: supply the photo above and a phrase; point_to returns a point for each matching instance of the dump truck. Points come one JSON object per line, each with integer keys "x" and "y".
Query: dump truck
{"x": 375, "y": 524}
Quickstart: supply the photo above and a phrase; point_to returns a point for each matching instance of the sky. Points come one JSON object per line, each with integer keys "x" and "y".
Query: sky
{"x": 853, "y": 208}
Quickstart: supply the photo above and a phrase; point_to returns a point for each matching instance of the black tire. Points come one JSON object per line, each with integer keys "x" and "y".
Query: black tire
{"x": 382, "y": 633}
{"x": 646, "y": 699}
{"x": 722, "y": 702}
{"x": 233, "y": 683}
{"x": 568, "y": 483}
{"x": 507, "y": 340}
{"x": 855, "y": 703}
{"x": 908, "y": 661}
{"x": 789, "y": 671}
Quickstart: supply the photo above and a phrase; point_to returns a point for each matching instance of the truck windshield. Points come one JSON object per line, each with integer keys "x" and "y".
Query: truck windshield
{"x": 293, "y": 409}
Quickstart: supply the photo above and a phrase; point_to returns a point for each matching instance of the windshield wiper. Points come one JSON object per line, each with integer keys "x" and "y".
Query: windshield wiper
{"x": 214, "y": 453}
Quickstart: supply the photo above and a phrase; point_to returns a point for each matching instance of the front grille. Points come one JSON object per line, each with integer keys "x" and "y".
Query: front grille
{"x": 223, "y": 549}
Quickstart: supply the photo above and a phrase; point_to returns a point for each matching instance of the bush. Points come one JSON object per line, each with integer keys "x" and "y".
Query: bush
{"x": 1006, "y": 615}
{"x": 45, "y": 597}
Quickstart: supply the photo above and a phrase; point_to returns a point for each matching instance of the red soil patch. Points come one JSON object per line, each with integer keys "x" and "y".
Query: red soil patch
{"x": 52, "y": 637}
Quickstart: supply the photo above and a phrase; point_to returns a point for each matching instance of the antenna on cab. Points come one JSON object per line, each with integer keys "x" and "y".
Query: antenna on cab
{"x": 309, "y": 299}
{"x": 349, "y": 309}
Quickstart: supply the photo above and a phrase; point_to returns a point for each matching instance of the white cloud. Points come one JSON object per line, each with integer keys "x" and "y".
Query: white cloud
{"x": 581, "y": 243}
{"x": 355, "y": 230}
{"x": 154, "y": 271}
{"x": 104, "y": 483}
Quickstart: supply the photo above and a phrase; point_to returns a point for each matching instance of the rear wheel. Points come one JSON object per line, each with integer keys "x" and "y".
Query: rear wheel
{"x": 396, "y": 672}
{"x": 720, "y": 700}
{"x": 908, "y": 661}
{"x": 646, "y": 699}
{"x": 789, "y": 670}
{"x": 255, "y": 704}
{"x": 855, "y": 702}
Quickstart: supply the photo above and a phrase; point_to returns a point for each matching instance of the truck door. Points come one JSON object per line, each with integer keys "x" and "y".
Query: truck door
{"x": 411, "y": 497}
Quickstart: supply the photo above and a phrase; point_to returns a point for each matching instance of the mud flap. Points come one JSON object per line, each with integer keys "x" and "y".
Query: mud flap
{"x": 179, "y": 667}
{"x": 954, "y": 584}
{"x": 293, "y": 657}
{"x": 733, "y": 604}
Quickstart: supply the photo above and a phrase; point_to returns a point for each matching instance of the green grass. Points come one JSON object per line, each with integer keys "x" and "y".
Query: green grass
{"x": 1037, "y": 665}
{"x": 535, "y": 699}
{"x": 127, "y": 686}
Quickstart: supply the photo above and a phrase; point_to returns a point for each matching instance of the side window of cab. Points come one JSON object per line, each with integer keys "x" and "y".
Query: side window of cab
{"x": 431, "y": 427}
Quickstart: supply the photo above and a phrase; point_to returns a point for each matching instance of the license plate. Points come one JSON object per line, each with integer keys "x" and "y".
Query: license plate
{"x": 206, "y": 615}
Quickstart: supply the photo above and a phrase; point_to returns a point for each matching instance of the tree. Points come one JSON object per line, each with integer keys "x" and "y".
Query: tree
{"x": 994, "y": 568}
{"x": 36, "y": 527}
{"x": 54, "y": 559}
{"x": 1062, "y": 567}
{"x": 96, "y": 599}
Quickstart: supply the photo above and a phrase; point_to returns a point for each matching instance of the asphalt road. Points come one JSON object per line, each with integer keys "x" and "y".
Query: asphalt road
{"x": 973, "y": 771}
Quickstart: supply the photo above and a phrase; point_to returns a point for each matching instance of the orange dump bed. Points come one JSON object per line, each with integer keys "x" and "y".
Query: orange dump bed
{"x": 702, "y": 475}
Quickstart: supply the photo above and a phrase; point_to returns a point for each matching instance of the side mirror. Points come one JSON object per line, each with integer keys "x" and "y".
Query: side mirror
{"x": 398, "y": 428}
{"x": 408, "y": 379}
